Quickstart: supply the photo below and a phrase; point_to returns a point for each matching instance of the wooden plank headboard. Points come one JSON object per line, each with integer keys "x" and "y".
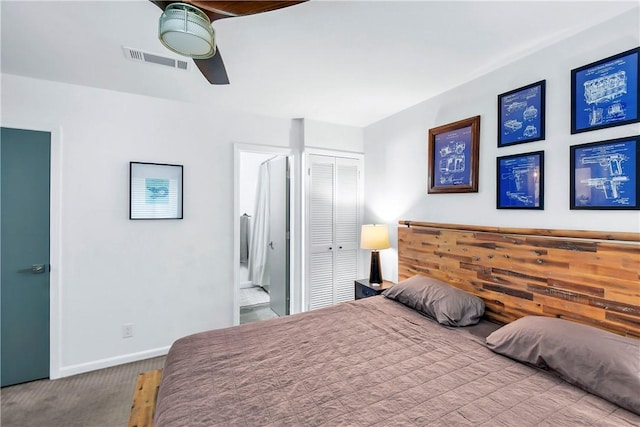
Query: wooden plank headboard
{"x": 585, "y": 276}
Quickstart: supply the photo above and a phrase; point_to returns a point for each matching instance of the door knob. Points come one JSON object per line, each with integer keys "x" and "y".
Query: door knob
{"x": 38, "y": 268}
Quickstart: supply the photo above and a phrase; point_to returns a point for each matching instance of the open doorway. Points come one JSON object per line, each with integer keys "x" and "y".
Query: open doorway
{"x": 263, "y": 200}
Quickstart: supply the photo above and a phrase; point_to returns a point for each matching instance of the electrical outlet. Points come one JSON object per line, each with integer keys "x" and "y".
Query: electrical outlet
{"x": 127, "y": 330}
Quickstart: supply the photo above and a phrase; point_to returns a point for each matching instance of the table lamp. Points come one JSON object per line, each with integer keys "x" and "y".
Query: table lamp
{"x": 374, "y": 237}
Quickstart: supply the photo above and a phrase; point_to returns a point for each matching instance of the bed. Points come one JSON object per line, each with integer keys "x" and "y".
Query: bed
{"x": 379, "y": 361}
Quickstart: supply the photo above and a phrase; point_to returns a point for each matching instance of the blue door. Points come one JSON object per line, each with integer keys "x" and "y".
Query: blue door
{"x": 24, "y": 255}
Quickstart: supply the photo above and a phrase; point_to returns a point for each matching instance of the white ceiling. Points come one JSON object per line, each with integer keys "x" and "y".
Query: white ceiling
{"x": 349, "y": 62}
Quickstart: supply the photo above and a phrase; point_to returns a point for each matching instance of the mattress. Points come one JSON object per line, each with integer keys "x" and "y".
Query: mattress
{"x": 370, "y": 362}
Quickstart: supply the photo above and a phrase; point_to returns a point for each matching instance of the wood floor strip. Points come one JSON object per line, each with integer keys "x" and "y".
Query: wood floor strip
{"x": 144, "y": 399}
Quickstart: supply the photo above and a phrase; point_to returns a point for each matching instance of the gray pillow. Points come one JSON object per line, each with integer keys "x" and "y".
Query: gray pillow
{"x": 448, "y": 305}
{"x": 598, "y": 361}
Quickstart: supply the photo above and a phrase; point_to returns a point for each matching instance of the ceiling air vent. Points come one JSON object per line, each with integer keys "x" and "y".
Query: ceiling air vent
{"x": 141, "y": 56}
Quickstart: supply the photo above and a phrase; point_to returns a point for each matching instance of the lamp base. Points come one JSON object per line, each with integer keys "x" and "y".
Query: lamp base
{"x": 375, "y": 273}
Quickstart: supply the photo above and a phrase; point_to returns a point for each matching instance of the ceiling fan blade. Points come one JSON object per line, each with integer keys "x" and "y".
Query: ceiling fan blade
{"x": 227, "y": 9}
{"x": 161, "y": 4}
{"x": 213, "y": 69}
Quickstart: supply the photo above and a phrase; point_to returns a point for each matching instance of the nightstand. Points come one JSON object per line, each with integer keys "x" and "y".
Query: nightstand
{"x": 365, "y": 289}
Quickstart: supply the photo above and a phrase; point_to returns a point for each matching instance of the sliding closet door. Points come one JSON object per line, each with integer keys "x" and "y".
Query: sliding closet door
{"x": 333, "y": 229}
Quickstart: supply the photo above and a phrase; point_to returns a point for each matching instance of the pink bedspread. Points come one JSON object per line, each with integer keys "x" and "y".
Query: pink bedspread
{"x": 371, "y": 362}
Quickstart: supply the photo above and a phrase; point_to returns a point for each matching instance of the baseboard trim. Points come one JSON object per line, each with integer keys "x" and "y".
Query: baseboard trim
{"x": 111, "y": 361}
{"x": 245, "y": 285}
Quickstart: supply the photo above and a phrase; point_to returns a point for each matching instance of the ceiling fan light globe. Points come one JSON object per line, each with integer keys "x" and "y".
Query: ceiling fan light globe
{"x": 186, "y": 30}
{"x": 188, "y": 44}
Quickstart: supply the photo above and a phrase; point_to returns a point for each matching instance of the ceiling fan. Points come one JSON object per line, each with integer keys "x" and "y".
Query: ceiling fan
{"x": 185, "y": 28}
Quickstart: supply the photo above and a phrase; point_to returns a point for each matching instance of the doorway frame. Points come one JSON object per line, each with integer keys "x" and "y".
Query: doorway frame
{"x": 294, "y": 288}
{"x": 55, "y": 235}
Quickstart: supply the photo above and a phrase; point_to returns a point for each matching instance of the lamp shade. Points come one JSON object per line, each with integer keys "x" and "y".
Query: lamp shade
{"x": 374, "y": 236}
{"x": 186, "y": 30}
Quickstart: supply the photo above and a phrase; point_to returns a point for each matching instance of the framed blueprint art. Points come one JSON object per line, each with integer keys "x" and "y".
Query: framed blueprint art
{"x": 605, "y": 93}
{"x": 521, "y": 115}
{"x": 520, "y": 179}
{"x": 155, "y": 191}
{"x": 604, "y": 175}
{"x": 453, "y": 151}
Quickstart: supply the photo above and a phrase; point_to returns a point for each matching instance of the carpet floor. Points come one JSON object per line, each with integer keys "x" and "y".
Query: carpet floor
{"x": 96, "y": 399}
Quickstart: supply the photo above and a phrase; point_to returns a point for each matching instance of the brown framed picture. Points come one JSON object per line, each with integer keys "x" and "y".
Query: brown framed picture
{"x": 453, "y": 157}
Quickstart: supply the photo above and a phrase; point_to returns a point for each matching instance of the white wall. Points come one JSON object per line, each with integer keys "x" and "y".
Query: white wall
{"x": 333, "y": 136}
{"x": 169, "y": 278}
{"x": 396, "y": 147}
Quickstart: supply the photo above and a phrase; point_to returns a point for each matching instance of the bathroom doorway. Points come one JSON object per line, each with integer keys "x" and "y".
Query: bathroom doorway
{"x": 264, "y": 268}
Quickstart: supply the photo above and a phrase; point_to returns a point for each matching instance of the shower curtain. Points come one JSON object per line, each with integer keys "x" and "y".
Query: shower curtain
{"x": 258, "y": 269}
